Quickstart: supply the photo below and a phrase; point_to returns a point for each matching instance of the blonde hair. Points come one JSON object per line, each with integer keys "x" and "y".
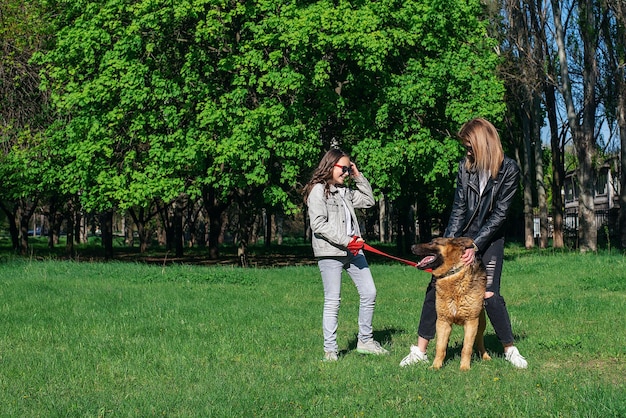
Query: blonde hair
{"x": 486, "y": 146}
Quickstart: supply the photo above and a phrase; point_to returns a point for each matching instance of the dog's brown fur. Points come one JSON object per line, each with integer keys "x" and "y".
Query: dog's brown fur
{"x": 460, "y": 291}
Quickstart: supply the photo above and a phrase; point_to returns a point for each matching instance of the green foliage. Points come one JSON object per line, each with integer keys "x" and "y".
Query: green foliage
{"x": 23, "y": 110}
{"x": 23, "y": 166}
{"x": 115, "y": 71}
{"x": 442, "y": 74}
{"x": 162, "y": 99}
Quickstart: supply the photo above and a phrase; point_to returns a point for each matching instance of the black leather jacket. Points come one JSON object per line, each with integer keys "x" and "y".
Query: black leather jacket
{"x": 481, "y": 217}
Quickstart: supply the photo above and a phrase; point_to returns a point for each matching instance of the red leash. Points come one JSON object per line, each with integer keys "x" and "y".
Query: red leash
{"x": 402, "y": 260}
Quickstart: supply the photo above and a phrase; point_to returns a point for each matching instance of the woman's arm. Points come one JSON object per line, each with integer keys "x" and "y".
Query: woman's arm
{"x": 459, "y": 207}
{"x": 501, "y": 204}
{"x": 362, "y": 195}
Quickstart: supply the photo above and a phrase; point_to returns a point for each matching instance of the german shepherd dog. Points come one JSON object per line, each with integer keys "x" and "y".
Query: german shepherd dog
{"x": 460, "y": 291}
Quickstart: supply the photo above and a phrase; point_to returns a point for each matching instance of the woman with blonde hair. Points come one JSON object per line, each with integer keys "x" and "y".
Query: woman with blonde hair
{"x": 487, "y": 181}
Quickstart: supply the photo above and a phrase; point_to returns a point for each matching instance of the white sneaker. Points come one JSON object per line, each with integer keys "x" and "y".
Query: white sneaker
{"x": 330, "y": 356}
{"x": 370, "y": 347}
{"x": 415, "y": 356}
{"x": 513, "y": 356}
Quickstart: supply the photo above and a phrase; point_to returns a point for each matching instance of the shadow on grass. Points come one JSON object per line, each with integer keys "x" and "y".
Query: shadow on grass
{"x": 492, "y": 344}
{"x": 384, "y": 337}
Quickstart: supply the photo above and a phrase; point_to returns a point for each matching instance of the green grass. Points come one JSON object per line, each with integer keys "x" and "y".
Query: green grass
{"x": 128, "y": 339}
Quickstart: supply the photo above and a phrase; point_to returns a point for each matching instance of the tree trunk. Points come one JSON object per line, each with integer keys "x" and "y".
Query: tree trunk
{"x": 279, "y": 220}
{"x": 23, "y": 220}
{"x": 582, "y": 134}
{"x": 558, "y": 170}
{"x": 106, "y": 227}
{"x": 25, "y": 212}
{"x": 69, "y": 235}
{"x": 425, "y": 226}
{"x": 622, "y": 193}
{"x": 246, "y": 223}
{"x": 166, "y": 214}
{"x": 524, "y": 74}
{"x": 55, "y": 219}
{"x": 539, "y": 179}
{"x": 587, "y": 230}
{"x": 529, "y": 224}
{"x": 267, "y": 230}
{"x": 141, "y": 217}
{"x": 215, "y": 212}
{"x": 13, "y": 229}
{"x": 616, "y": 41}
{"x": 382, "y": 219}
{"x": 129, "y": 236}
{"x": 84, "y": 228}
{"x": 585, "y": 147}
{"x": 178, "y": 229}
{"x": 215, "y": 231}
{"x": 406, "y": 225}
{"x": 78, "y": 221}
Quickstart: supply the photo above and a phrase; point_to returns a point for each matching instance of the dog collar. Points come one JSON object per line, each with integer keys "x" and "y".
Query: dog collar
{"x": 453, "y": 271}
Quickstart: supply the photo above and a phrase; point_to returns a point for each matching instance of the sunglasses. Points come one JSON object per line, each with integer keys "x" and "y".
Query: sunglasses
{"x": 468, "y": 148}
{"x": 344, "y": 169}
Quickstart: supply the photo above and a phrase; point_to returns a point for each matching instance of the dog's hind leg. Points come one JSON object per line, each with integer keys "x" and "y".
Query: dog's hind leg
{"x": 480, "y": 340}
{"x": 443, "y": 335}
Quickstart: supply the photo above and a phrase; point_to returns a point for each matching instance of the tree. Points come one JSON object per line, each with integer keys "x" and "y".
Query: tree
{"x": 582, "y": 122}
{"x": 524, "y": 46}
{"x": 165, "y": 100}
{"x": 440, "y": 73}
{"x": 224, "y": 100}
{"x": 23, "y": 115}
{"x": 127, "y": 114}
{"x": 614, "y": 35}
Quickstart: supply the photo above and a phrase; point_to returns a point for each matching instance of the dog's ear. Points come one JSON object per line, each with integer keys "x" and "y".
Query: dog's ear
{"x": 464, "y": 242}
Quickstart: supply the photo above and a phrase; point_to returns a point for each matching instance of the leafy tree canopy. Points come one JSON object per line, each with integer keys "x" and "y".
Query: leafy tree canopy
{"x": 162, "y": 99}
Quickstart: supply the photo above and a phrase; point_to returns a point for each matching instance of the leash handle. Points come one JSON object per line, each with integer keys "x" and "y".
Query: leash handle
{"x": 374, "y": 250}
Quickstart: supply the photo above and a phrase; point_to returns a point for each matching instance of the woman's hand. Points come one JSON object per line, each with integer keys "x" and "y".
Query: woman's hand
{"x": 356, "y": 245}
{"x": 355, "y": 171}
{"x": 468, "y": 256}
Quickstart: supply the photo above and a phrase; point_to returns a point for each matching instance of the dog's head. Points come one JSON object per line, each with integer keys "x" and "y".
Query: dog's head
{"x": 441, "y": 254}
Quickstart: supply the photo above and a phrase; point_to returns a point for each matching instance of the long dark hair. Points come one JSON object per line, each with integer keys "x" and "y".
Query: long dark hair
{"x": 324, "y": 171}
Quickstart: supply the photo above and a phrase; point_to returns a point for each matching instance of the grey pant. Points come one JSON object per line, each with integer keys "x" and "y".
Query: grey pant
{"x": 359, "y": 271}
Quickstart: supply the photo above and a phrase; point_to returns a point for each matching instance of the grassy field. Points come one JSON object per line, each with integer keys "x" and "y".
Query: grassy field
{"x": 128, "y": 339}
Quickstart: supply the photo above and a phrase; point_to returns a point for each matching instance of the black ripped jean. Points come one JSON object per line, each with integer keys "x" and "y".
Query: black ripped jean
{"x": 495, "y": 306}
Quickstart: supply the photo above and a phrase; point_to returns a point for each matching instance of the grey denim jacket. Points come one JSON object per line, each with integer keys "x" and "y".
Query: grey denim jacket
{"x": 328, "y": 217}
